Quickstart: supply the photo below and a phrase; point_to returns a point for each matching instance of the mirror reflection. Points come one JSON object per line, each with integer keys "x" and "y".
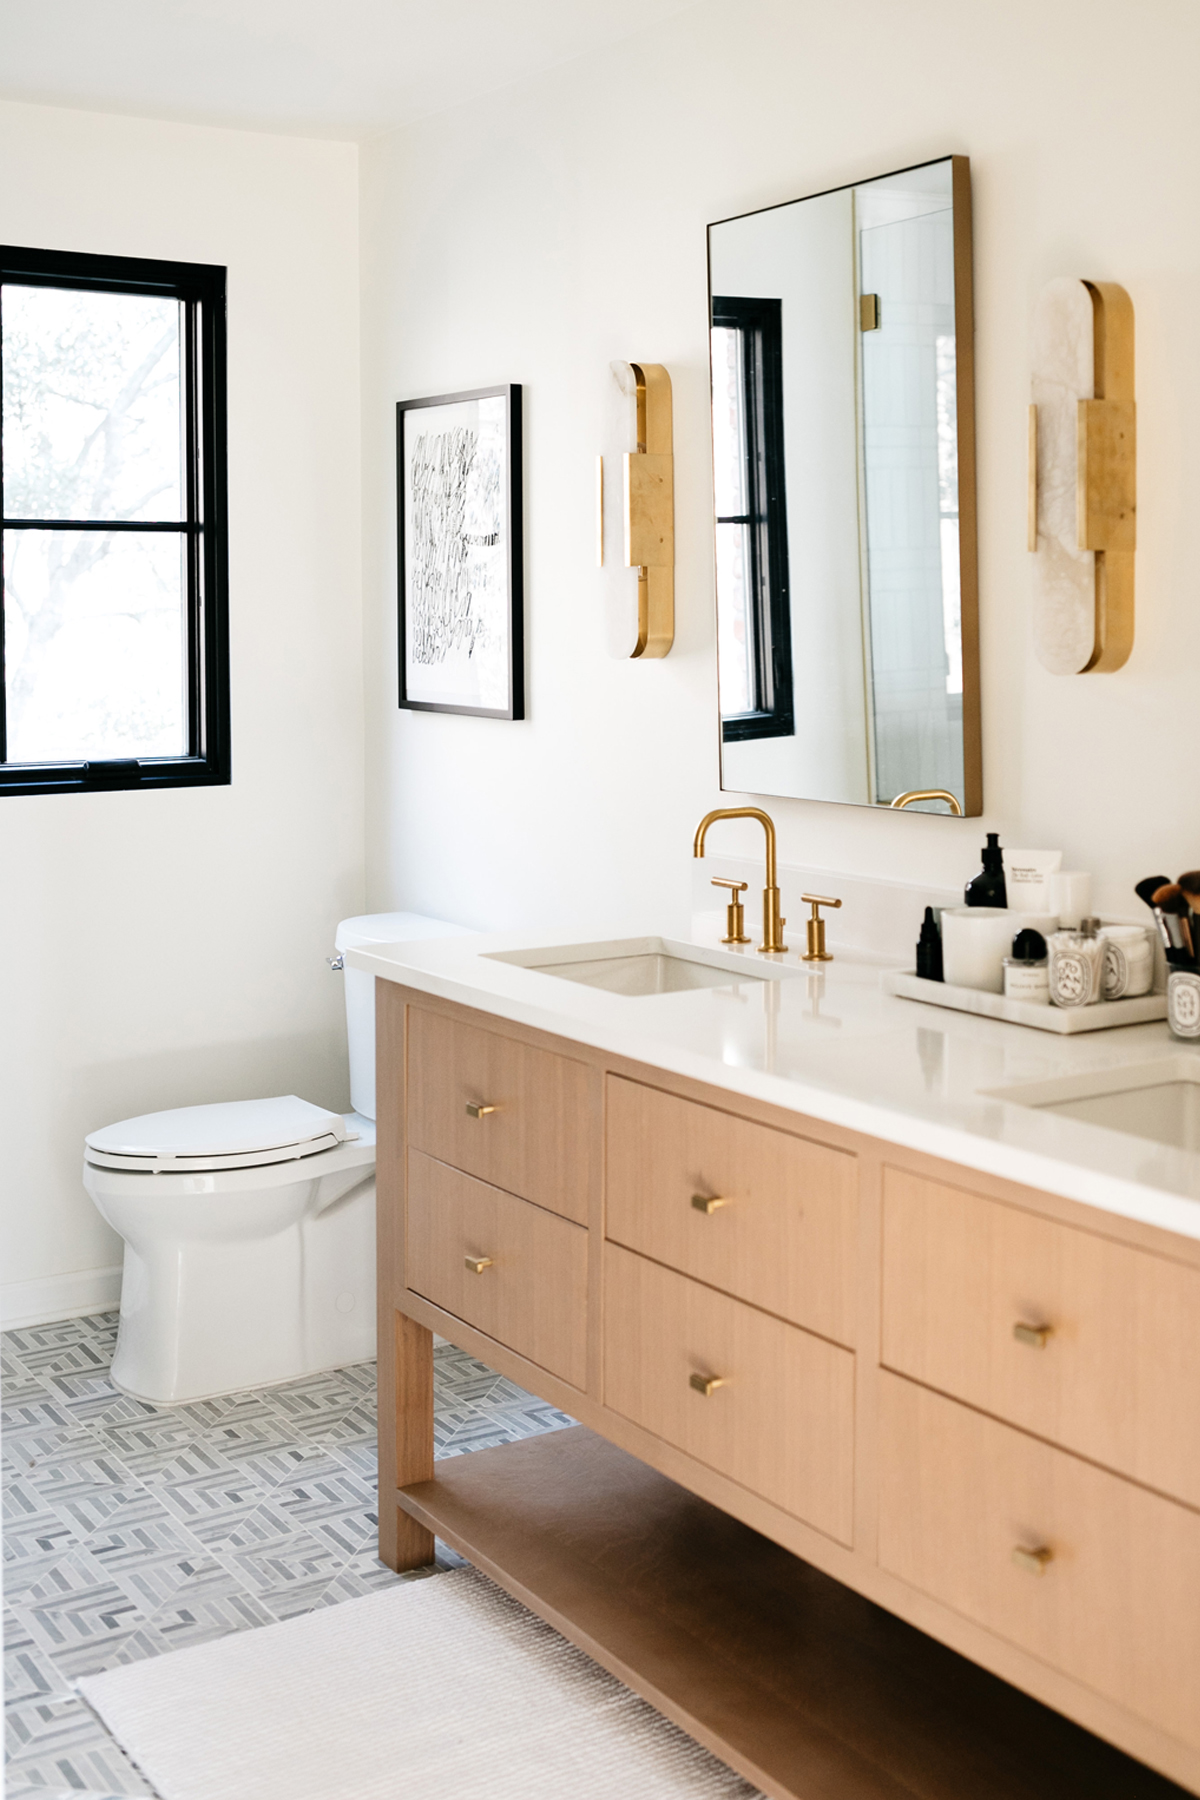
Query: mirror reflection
{"x": 843, "y": 465}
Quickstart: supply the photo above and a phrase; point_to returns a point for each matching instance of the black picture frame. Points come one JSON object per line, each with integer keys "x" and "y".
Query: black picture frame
{"x": 492, "y": 668}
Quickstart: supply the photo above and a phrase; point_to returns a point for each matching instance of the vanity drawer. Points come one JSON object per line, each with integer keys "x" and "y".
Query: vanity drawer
{"x": 1117, "y": 1602}
{"x": 1117, "y": 1376}
{"x": 781, "y": 1423}
{"x": 786, "y": 1237}
{"x": 537, "y": 1138}
{"x": 532, "y": 1296}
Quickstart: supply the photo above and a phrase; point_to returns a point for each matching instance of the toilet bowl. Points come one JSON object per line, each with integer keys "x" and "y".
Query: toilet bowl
{"x": 249, "y": 1225}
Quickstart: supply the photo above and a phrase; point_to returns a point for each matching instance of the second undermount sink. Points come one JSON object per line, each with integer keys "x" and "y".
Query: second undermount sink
{"x": 1159, "y": 1100}
{"x": 639, "y": 966}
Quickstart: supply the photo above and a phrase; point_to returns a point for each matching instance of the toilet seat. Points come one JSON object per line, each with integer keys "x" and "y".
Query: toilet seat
{"x": 235, "y": 1134}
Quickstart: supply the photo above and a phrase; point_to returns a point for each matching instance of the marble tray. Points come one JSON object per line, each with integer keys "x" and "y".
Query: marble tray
{"x": 1100, "y": 1017}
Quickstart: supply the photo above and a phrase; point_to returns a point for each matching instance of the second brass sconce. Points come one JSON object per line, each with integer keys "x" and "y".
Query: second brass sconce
{"x": 648, "y": 489}
{"x": 1083, "y": 477}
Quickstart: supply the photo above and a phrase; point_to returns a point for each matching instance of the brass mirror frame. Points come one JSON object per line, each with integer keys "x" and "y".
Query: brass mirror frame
{"x": 968, "y": 543}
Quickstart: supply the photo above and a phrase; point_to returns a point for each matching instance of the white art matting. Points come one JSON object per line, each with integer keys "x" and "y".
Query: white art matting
{"x": 456, "y": 554}
{"x": 445, "y": 1689}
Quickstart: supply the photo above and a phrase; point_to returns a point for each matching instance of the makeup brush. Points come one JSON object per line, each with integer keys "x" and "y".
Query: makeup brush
{"x": 1190, "y": 884}
{"x": 1145, "y": 891}
{"x": 1171, "y": 902}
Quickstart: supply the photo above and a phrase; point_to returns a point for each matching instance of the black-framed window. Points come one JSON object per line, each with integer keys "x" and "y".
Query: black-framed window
{"x": 755, "y": 651}
{"x": 114, "y": 638}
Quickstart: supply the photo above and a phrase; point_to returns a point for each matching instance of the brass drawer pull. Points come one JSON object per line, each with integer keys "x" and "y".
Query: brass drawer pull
{"x": 477, "y": 1264}
{"x": 478, "y": 1109}
{"x": 707, "y": 1384}
{"x": 1034, "y": 1562}
{"x": 709, "y": 1203}
{"x": 1033, "y": 1335}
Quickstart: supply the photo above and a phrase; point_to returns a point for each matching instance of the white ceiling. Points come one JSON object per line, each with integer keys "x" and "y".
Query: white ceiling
{"x": 346, "y": 69}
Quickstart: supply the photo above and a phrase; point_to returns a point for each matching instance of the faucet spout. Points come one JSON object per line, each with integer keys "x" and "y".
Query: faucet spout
{"x": 773, "y": 923}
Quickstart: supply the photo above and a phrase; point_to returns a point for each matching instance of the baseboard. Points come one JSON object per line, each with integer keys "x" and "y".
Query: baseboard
{"x": 53, "y": 1297}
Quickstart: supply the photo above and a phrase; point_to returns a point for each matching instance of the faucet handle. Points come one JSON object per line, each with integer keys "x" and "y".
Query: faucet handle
{"x": 815, "y": 926}
{"x": 735, "y": 914}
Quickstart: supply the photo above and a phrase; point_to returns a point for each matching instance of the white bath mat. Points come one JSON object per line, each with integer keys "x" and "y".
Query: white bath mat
{"x": 444, "y": 1689}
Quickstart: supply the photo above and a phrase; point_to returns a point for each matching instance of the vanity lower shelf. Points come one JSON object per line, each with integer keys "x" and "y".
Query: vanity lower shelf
{"x": 1063, "y": 1019}
{"x": 805, "y": 1687}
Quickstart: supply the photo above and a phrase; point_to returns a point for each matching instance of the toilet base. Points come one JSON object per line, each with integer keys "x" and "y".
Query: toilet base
{"x": 219, "y": 1311}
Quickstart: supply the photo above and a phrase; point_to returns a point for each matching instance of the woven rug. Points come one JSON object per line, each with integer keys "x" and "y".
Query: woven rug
{"x": 444, "y": 1689}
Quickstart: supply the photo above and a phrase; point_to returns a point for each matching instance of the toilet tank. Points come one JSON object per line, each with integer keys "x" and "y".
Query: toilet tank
{"x": 353, "y": 934}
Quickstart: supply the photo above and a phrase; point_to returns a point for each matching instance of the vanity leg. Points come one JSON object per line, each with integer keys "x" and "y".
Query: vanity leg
{"x": 405, "y": 1443}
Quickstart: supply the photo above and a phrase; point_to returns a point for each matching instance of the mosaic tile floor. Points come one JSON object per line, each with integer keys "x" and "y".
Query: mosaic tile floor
{"x": 131, "y": 1530}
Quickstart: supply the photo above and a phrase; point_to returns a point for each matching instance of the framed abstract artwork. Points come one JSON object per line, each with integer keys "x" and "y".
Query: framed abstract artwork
{"x": 458, "y": 478}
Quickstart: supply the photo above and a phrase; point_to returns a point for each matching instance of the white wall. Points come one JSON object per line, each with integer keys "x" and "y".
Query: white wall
{"x": 543, "y": 230}
{"x": 162, "y": 949}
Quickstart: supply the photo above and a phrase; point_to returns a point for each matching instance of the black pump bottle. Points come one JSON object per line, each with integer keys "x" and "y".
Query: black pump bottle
{"x": 988, "y": 887}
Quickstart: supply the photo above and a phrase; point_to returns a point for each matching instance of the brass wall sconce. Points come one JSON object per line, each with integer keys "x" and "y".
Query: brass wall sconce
{"x": 648, "y": 489}
{"x": 1082, "y": 499}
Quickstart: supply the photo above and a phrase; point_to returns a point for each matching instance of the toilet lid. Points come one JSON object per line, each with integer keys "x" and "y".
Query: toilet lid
{"x": 235, "y": 1134}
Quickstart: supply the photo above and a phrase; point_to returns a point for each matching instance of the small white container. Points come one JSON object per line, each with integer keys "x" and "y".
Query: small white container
{"x": 1128, "y": 961}
{"x": 1069, "y": 895}
{"x": 976, "y": 939}
{"x": 1029, "y": 981}
{"x": 1076, "y": 968}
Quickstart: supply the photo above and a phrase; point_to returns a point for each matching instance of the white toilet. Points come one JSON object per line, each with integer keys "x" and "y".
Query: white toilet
{"x": 249, "y": 1226}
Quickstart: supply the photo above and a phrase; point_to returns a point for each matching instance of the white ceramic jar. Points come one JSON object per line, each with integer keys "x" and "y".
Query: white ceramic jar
{"x": 976, "y": 940}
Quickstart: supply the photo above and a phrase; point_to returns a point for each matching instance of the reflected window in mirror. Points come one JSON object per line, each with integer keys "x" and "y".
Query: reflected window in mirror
{"x": 754, "y": 645}
{"x": 843, "y": 438}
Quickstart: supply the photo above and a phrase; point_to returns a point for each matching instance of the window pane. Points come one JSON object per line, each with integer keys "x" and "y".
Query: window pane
{"x": 95, "y": 645}
{"x": 735, "y": 630}
{"x": 729, "y": 423}
{"x": 92, "y": 391}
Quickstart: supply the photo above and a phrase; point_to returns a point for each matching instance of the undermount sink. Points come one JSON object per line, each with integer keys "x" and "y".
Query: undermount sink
{"x": 638, "y": 966}
{"x": 1158, "y": 1100}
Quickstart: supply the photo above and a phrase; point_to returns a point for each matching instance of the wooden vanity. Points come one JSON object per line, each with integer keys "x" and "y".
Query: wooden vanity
{"x": 862, "y": 1431}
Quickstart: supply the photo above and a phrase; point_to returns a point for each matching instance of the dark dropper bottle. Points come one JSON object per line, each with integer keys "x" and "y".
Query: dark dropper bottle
{"x": 929, "y": 949}
{"x": 988, "y": 887}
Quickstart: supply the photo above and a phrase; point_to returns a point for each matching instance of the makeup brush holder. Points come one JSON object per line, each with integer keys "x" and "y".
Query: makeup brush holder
{"x": 1183, "y": 1003}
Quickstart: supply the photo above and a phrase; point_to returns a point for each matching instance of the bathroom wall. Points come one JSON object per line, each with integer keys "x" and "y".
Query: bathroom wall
{"x": 550, "y": 227}
{"x": 161, "y": 949}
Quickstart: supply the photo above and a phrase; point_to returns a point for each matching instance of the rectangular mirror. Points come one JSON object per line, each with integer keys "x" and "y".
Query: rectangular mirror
{"x": 844, "y": 486}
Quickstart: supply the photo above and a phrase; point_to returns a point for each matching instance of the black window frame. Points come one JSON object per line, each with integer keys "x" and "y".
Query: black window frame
{"x": 760, "y": 322}
{"x": 204, "y": 527}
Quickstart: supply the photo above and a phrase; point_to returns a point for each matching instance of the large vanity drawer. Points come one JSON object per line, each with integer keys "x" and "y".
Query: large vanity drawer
{"x": 1114, "y": 1599}
{"x": 530, "y": 1293}
{"x": 1106, "y": 1359}
{"x": 781, "y": 1422}
{"x": 512, "y": 1115}
{"x": 785, "y": 1234}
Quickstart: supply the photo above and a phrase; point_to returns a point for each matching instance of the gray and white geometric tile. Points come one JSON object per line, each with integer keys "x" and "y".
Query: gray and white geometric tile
{"x": 131, "y": 1530}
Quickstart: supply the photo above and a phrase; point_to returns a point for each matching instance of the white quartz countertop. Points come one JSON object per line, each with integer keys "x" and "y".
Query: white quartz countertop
{"x": 832, "y": 1045}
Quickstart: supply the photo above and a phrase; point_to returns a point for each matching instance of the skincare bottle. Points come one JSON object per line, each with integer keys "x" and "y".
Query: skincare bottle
{"x": 1077, "y": 965}
{"x": 1027, "y": 877}
{"x": 1027, "y": 970}
{"x": 988, "y": 887}
{"x": 929, "y": 949}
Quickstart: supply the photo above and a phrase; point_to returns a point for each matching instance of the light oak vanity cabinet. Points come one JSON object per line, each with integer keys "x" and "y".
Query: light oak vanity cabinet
{"x": 815, "y": 1376}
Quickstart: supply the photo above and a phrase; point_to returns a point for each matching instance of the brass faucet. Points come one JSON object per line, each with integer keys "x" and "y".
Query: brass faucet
{"x": 773, "y": 924}
{"x": 916, "y": 794}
